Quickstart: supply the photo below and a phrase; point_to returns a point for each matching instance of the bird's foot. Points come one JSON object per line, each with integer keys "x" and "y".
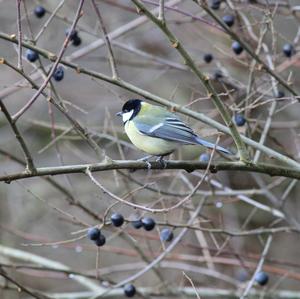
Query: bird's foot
{"x": 161, "y": 161}
{"x": 145, "y": 159}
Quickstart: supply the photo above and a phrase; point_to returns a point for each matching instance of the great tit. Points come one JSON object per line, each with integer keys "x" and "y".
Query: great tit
{"x": 157, "y": 131}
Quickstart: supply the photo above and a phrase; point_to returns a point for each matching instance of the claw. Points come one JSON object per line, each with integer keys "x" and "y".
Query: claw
{"x": 162, "y": 162}
{"x": 148, "y": 165}
{"x": 145, "y": 159}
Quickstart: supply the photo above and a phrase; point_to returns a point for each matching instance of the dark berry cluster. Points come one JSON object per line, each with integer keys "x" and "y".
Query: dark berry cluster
{"x": 94, "y": 234}
{"x": 147, "y": 223}
{"x": 74, "y": 37}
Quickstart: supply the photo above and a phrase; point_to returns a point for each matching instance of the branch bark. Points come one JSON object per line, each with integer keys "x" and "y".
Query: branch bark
{"x": 269, "y": 169}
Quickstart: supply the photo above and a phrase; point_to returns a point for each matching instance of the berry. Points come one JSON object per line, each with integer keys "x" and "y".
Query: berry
{"x": 31, "y": 55}
{"x": 262, "y": 278}
{"x": 215, "y": 4}
{"x": 100, "y": 241}
{"x": 239, "y": 120}
{"x": 137, "y": 223}
{"x": 148, "y": 223}
{"x": 39, "y": 11}
{"x": 93, "y": 233}
{"x": 237, "y": 48}
{"x": 208, "y": 57}
{"x": 117, "y": 219}
{"x": 204, "y": 157}
{"x": 166, "y": 235}
{"x": 218, "y": 75}
{"x": 228, "y": 20}
{"x": 58, "y": 75}
{"x": 288, "y": 50}
{"x": 73, "y": 35}
{"x": 280, "y": 94}
{"x": 129, "y": 290}
{"x": 76, "y": 41}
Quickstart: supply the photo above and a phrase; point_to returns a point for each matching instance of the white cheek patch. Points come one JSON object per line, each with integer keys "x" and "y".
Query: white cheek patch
{"x": 126, "y": 116}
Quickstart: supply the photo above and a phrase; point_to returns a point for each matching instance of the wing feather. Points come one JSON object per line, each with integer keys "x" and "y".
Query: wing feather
{"x": 171, "y": 128}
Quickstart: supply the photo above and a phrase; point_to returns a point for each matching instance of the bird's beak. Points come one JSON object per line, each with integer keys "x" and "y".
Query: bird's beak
{"x": 119, "y": 113}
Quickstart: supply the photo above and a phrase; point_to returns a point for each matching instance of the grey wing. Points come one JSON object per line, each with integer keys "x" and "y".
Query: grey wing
{"x": 172, "y": 129}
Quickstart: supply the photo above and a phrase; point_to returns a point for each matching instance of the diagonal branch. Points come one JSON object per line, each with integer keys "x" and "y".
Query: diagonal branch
{"x": 30, "y": 169}
{"x": 258, "y": 268}
{"x": 111, "y": 57}
{"x": 21, "y": 287}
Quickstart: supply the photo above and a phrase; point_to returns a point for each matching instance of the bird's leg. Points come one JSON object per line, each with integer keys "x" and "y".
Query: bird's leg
{"x": 145, "y": 159}
{"x": 161, "y": 161}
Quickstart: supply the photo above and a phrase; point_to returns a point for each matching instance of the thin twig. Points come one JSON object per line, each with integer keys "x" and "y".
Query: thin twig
{"x": 30, "y": 168}
{"x": 21, "y": 287}
{"x": 258, "y": 268}
{"x": 27, "y": 257}
{"x": 111, "y": 58}
{"x": 53, "y": 68}
{"x": 192, "y": 284}
{"x": 51, "y": 17}
{"x": 19, "y": 25}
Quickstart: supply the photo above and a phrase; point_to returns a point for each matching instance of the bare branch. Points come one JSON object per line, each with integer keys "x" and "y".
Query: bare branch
{"x": 19, "y": 25}
{"x": 272, "y": 170}
{"x": 112, "y": 61}
{"x": 30, "y": 168}
{"x": 53, "y": 68}
{"x": 258, "y": 268}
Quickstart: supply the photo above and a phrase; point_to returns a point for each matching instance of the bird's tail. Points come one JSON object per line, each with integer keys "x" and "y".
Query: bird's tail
{"x": 212, "y": 145}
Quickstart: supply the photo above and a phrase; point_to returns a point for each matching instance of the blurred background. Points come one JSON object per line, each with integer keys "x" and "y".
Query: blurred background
{"x": 47, "y": 217}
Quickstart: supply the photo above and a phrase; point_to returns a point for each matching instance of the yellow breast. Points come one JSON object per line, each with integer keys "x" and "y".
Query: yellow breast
{"x": 151, "y": 145}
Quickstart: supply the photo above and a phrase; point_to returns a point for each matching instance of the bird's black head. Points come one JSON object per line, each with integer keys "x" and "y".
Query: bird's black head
{"x": 130, "y": 109}
{"x": 133, "y": 104}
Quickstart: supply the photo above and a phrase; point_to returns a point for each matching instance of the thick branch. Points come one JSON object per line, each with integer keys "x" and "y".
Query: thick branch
{"x": 272, "y": 170}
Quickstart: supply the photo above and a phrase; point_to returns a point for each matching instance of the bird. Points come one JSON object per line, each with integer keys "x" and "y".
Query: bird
{"x": 157, "y": 131}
